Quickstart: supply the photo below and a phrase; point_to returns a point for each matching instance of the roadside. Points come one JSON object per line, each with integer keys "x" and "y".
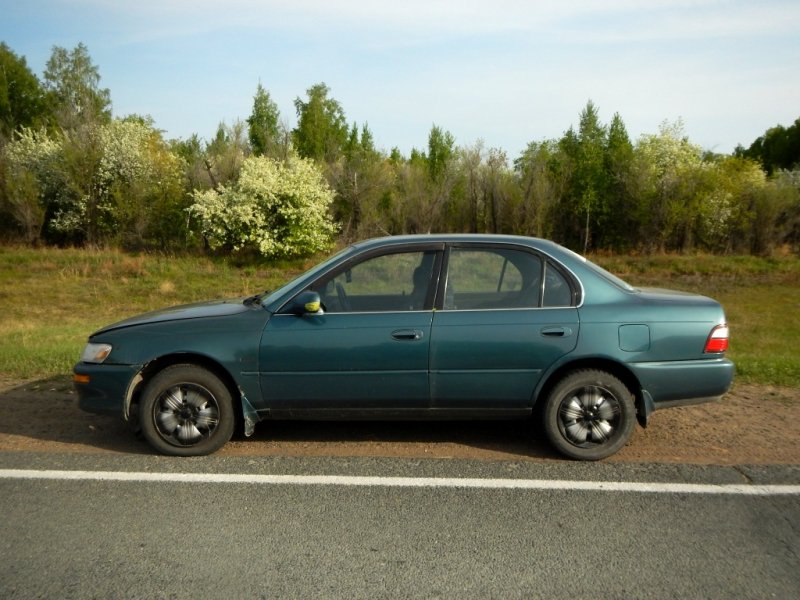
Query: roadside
{"x": 754, "y": 424}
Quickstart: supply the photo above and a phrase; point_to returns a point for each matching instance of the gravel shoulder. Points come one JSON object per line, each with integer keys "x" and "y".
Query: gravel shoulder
{"x": 752, "y": 425}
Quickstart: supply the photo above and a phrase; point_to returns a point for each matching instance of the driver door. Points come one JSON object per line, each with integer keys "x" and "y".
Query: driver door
{"x": 367, "y": 351}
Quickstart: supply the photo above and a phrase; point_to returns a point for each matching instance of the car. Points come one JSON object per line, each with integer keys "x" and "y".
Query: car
{"x": 416, "y": 327}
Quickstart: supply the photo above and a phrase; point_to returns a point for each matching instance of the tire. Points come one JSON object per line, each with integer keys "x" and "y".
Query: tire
{"x": 186, "y": 410}
{"x": 589, "y": 415}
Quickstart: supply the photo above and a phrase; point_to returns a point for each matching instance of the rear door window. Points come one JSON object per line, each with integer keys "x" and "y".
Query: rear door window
{"x": 492, "y": 278}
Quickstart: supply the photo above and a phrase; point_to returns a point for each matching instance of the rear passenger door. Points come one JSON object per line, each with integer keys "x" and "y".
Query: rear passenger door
{"x": 507, "y": 313}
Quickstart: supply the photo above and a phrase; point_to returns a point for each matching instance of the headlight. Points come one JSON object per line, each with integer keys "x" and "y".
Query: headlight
{"x": 95, "y": 353}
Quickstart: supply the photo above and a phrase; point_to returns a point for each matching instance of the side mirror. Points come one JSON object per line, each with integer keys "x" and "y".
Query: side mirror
{"x": 306, "y": 303}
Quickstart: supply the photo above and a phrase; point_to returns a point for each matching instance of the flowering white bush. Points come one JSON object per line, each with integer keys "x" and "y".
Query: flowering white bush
{"x": 112, "y": 179}
{"x": 38, "y": 154}
{"x": 278, "y": 208}
{"x": 134, "y": 151}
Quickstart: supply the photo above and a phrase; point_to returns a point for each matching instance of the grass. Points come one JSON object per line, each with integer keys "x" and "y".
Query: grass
{"x": 761, "y": 297}
{"x": 52, "y": 299}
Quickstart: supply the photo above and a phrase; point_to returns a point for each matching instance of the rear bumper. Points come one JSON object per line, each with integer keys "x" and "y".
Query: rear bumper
{"x": 679, "y": 383}
{"x": 106, "y": 389}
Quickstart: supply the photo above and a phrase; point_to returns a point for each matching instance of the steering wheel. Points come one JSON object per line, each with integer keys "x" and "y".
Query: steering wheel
{"x": 344, "y": 302}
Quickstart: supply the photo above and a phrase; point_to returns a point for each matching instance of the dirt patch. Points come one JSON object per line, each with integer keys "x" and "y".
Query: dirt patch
{"x": 751, "y": 425}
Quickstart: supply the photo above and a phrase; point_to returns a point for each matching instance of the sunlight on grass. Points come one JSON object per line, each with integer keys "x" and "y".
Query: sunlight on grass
{"x": 53, "y": 299}
{"x": 765, "y": 332}
{"x": 761, "y": 297}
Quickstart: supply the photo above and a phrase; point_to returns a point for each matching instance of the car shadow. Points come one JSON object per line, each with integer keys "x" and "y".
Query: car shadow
{"x": 436, "y": 439}
{"x": 43, "y": 415}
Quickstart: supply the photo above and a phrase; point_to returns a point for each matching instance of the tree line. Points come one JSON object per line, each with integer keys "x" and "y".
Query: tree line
{"x": 73, "y": 174}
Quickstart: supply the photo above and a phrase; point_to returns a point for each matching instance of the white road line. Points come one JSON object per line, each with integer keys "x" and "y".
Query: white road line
{"x": 408, "y": 482}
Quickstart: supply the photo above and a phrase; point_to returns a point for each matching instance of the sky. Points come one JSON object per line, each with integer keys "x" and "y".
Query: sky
{"x": 506, "y": 72}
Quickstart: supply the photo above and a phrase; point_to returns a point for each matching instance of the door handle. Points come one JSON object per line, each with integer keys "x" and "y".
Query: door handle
{"x": 407, "y": 334}
{"x": 556, "y": 331}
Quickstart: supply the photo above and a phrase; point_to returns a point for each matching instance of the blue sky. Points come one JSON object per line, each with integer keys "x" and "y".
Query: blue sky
{"x": 507, "y": 72}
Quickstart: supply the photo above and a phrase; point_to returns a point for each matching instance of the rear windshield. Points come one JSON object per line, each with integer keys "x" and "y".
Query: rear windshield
{"x": 610, "y": 277}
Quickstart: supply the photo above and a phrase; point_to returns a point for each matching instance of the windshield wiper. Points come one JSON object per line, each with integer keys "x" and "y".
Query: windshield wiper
{"x": 255, "y": 299}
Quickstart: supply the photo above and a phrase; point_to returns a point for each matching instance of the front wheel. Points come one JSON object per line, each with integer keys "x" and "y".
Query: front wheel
{"x": 186, "y": 411}
{"x": 589, "y": 415}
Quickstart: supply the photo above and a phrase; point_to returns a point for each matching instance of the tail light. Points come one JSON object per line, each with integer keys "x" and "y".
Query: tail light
{"x": 717, "y": 341}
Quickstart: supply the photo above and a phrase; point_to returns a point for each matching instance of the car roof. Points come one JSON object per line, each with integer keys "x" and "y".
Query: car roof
{"x": 457, "y": 237}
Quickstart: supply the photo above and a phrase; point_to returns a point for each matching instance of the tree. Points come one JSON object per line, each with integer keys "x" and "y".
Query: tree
{"x": 617, "y": 225}
{"x": 543, "y": 181}
{"x": 362, "y": 180}
{"x": 567, "y": 224}
{"x": 469, "y": 217}
{"x": 360, "y": 143}
{"x": 142, "y": 185}
{"x": 116, "y": 182}
{"x": 191, "y": 152}
{"x": 786, "y": 184}
{"x": 778, "y": 148}
{"x": 748, "y": 212}
{"x": 589, "y": 180}
{"x": 496, "y": 192}
{"x": 263, "y": 124}
{"x": 82, "y": 215}
{"x": 441, "y": 150}
{"x": 22, "y": 98}
{"x": 321, "y": 130}
{"x": 73, "y": 82}
{"x": 429, "y": 194}
{"x": 21, "y": 194}
{"x": 65, "y": 168}
{"x": 33, "y": 186}
{"x": 668, "y": 170}
{"x": 225, "y": 154}
{"x": 279, "y": 209}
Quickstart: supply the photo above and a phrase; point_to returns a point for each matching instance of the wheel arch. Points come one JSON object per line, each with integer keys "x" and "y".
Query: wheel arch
{"x": 157, "y": 365}
{"x": 615, "y": 368}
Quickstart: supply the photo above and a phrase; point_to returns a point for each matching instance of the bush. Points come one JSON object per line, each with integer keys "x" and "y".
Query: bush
{"x": 279, "y": 209}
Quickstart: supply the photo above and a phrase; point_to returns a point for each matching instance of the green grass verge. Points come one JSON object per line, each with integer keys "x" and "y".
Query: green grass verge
{"x": 52, "y": 299}
{"x": 761, "y": 297}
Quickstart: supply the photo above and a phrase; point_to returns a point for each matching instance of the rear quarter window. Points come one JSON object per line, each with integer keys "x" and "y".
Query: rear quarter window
{"x": 557, "y": 290}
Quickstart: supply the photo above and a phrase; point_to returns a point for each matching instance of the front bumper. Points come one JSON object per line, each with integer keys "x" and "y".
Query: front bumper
{"x": 107, "y": 386}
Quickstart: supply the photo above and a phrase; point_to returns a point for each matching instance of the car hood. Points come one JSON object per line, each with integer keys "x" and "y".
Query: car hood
{"x": 199, "y": 310}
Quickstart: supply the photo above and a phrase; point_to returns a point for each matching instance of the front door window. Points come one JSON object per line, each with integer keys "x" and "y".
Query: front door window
{"x": 387, "y": 283}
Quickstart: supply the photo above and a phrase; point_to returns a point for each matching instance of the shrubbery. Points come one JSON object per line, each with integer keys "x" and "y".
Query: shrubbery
{"x": 280, "y": 209}
{"x": 70, "y": 174}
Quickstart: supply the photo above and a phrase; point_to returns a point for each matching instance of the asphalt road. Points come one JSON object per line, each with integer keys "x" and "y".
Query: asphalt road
{"x": 169, "y": 539}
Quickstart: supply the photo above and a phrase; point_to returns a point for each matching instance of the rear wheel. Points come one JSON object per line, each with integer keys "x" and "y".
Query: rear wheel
{"x": 186, "y": 411}
{"x": 589, "y": 415}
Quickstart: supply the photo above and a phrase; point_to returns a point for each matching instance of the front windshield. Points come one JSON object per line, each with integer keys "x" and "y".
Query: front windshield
{"x": 275, "y": 294}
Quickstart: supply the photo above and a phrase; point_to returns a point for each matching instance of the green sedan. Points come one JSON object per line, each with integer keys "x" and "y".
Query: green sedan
{"x": 416, "y": 327}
